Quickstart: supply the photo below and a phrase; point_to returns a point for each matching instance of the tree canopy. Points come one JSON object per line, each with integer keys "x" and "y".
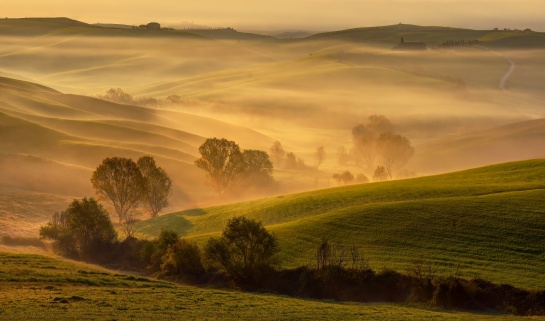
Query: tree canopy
{"x": 244, "y": 249}
{"x": 158, "y": 185}
{"x": 83, "y": 230}
{"x": 119, "y": 181}
{"x": 223, "y": 161}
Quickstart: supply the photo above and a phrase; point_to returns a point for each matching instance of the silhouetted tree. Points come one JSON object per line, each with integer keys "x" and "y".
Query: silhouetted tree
{"x": 258, "y": 166}
{"x": 361, "y": 178}
{"x": 158, "y": 185}
{"x": 244, "y": 250}
{"x": 119, "y": 181}
{"x": 342, "y": 155}
{"x": 223, "y": 161}
{"x": 380, "y": 174}
{"x": 395, "y": 151}
{"x": 345, "y": 177}
{"x": 277, "y": 152}
{"x": 319, "y": 155}
{"x": 84, "y": 230}
{"x": 364, "y": 138}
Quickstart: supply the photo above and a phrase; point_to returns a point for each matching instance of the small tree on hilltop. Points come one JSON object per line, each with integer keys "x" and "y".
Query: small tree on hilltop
{"x": 223, "y": 161}
{"x": 120, "y": 182}
{"x": 245, "y": 250}
{"x": 158, "y": 185}
{"x": 84, "y": 230}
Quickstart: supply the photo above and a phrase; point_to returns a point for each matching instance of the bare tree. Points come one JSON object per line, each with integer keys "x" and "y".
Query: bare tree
{"x": 158, "y": 185}
{"x": 319, "y": 155}
{"x": 395, "y": 151}
{"x": 119, "y": 181}
{"x": 277, "y": 151}
{"x": 223, "y": 161}
{"x": 342, "y": 155}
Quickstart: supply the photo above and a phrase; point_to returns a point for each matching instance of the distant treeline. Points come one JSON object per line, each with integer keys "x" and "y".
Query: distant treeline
{"x": 459, "y": 43}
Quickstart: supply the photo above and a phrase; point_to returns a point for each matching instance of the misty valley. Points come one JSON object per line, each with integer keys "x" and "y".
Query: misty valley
{"x": 392, "y": 173}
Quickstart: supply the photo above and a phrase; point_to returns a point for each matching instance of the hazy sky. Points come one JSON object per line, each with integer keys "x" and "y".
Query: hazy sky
{"x": 289, "y": 14}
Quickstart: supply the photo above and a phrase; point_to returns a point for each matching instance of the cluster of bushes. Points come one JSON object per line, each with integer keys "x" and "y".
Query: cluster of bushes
{"x": 246, "y": 256}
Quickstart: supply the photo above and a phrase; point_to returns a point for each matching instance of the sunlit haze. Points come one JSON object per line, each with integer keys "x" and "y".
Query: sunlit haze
{"x": 283, "y": 14}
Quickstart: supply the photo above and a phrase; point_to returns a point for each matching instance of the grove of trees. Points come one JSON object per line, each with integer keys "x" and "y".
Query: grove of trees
{"x": 128, "y": 186}
{"x": 375, "y": 142}
{"x": 227, "y": 167}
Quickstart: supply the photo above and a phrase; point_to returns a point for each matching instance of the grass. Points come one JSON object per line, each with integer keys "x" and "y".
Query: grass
{"x": 35, "y": 287}
{"x": 487, "y": 221}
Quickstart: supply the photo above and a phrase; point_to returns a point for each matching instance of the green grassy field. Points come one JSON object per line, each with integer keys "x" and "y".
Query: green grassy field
{"x": 37, "y": 287}
{"x": 488, "y": 221}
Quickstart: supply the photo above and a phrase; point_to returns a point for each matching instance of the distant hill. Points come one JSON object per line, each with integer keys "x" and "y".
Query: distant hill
{"x": 434, "y": 35}
{"x": 51, "y": 142}
{"x": 228, "y": 34}
{"x": 113, "y": 25}
{"x": 66, "y": 26}
{"x": 487, "y": 222}
{"x": 516, "y": 141}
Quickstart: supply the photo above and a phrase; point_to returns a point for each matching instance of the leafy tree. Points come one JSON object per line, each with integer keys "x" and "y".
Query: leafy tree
{"x": 182, "y": 257}
{"x": 158, "y": 185}
{"x": 258, "y": 167}
{"x": 277, "y": 152}
{"x": 364, "y": 138}
{"x": 380, "y": 174}
{"x": 84, "y": 230}
{"x": 223, "y": 161}
{"x": 395, "y": 151}
{"x": 345, "y": 177}
{"x": 154, "y": 251}
{"x": 319, "y": 155}
{"x": 361, "y": 178}
{"x": 245, "y": 249}
{"x": 120, "y": 182}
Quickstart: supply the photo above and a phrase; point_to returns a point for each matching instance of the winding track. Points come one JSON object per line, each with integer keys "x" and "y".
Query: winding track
{"x": 507, "y": 74}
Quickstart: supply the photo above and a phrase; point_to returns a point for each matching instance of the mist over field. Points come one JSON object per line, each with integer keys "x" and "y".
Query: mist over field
{"x": 460, "y": 107}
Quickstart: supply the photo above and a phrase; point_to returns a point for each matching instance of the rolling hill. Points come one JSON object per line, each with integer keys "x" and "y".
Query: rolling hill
{"x": 434, "y": 35}
{"x": 51, "y": 142}
{"x": 486, "y": 221}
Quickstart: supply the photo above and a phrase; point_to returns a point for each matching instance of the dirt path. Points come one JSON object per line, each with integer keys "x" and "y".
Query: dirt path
{"x": 507, "y": 74}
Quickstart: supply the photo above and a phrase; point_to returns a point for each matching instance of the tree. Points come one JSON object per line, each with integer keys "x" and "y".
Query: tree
{"x": 84, "y": 230}
{"x": 342, "y": 155}
{"x": 245, "y": 249}
{"x": 345, "y": 177}
{"x": 380, "y": 174}
{"x": 395, "y": 151}
{"x": 158, "y": 185}
{"x": 182, "y": 257}
{"x": 364, "y": 138}
{"x": 361, "y": 178}
{"x": 119, "y": 181}
{"x": 223, "y": 161}
{"x": 319, "y": 155}
{"x": 258, "y": 167}
{"x": 277, "y": 152}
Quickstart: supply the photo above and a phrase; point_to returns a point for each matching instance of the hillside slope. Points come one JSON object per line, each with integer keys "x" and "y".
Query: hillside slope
{"x": 434, "y": 35}
{"x": 51, "y": 142}
{"x": 488, "y": 221}
{"x": 516, "y": 141}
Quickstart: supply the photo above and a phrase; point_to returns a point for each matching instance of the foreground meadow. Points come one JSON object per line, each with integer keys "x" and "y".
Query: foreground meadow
{"x": 35, "y": 287}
